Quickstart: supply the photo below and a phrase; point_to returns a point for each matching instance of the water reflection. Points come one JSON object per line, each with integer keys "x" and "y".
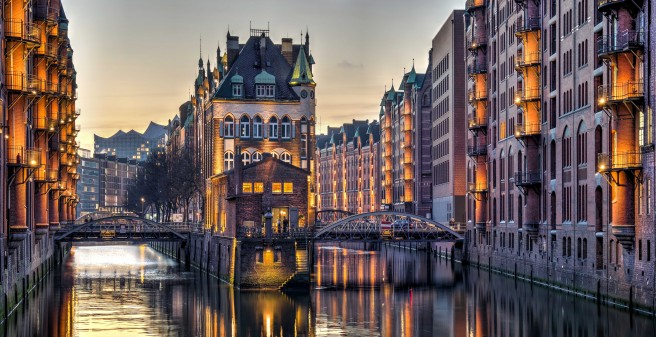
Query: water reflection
{"x": 362, "y": 291}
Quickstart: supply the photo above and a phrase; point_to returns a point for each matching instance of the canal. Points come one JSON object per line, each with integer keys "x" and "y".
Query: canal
{"x": 359, "y": 291}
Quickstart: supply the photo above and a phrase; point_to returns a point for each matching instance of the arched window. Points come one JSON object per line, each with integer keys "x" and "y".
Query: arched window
{"x": 581, "y": 145}
{"x": 286, "y": 128}
{"x": 229, "y": 127}
{"x": 286, "y": 157}
{"x": 245, "y": 158}
{"x": 257, "y": 127}
{"x": 275, "y": 155}
{"x": 244, "y": 127}
{"x": 257, "y": 156}
{"x": 228, "y": 161}
{"x": 273, "y": 127}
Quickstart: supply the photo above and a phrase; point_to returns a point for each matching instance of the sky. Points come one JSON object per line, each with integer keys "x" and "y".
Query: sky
{"x": 136, "y": 60}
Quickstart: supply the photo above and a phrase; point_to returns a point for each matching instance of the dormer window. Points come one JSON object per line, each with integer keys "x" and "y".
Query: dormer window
{"x": 237, "y": 90}
{"x": 265, "y": 90}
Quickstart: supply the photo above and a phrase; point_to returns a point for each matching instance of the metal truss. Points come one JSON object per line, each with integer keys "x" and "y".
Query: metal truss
{"x": 387, "y": 226}
{"x": 121, "y": 228}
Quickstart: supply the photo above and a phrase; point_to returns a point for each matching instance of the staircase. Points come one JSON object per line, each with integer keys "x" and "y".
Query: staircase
{"x": 300, "y": 280}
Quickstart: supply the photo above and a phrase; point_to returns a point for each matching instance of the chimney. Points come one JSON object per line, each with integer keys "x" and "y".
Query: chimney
{"x": 233, "y": 49}
{"x": 287, "y": 50}
{"x": 263, "y": 44}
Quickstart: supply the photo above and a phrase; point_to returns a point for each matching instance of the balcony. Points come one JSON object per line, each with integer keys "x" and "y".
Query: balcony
{"x": 19, "y": 156}
{"x": 477, "y": 41}
{"x": 18, "y": 30}
{"x": 48, "y": 13}
{"x": 524, "y": 130}
{"x": 627, "y": 41}
{"x": 475, "y": 95}
{"x": 527, "y": 179}
{"x": 629, "y": 91}
{"x": 477, "y": 150}
{"x": 623, "y": 161}
{"x": 528, "y": 24}
{"x": 475, "y": 124}
{"x": 607, "y": 6}
{"x": 524, "y": 60}
{"x": 527, "y": 95}
{"x": 46, "y": 175}
{"x": 476, "y": 188}
{"x": 24, "y": 83}
{"x": 51, "y": 52}
{"x": 472, "y": 5}
{"x": 44, "y": 124}
{"x": 477, "y": 68}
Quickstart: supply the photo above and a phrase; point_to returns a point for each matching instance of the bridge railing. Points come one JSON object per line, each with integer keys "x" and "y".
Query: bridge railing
{"x": 294, "y": 233}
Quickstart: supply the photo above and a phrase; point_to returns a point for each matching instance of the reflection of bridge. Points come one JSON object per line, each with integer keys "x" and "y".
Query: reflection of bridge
{"x": 123, "y": 228}
{"x": 382, "y": 226}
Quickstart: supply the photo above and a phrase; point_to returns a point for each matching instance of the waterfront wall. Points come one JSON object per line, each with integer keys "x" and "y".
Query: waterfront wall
{"x": 614, "y": 284}
{"x": 247, "y": 264}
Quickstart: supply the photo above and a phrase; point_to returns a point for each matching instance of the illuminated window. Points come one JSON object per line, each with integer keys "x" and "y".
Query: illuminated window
{"x": 289, "y": 187}
{"x": 247, "y": 187}
{"x": 258, "y": 187}
{"x": 276, "y": 188}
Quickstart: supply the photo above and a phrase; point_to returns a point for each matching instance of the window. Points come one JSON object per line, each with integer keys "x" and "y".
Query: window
{"x": 257, "y": 156}
{"x": 237, "y": 90}
{"x": 246, "y": 158}
{"x": 257, "y": 127}
{"x": 262, "y": 90}
{"x": 289, "y": 188}
{"x": 304, "y": 144}
{"x": 228, "y": 161}
{"x": 286, "y": 157}
{"x": 273, "y": 127}
{"x": 247, "y": 187}
{"x": 285, "y": 131}
{"x": 258, "y": 187}
{"x": 229, "y": 127}
{"x": 276, "y": 188}
{"x": 244, "y": 127}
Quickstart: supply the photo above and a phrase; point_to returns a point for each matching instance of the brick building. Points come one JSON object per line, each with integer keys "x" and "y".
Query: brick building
{"x": 560, "y": 169}
{"x": 406, "y": 145}
{"x": 348, "y": 168}
{"x": 448, "y": 117}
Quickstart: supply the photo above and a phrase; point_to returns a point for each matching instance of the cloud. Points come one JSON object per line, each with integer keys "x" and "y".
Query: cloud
{"x": 348, "y": 65}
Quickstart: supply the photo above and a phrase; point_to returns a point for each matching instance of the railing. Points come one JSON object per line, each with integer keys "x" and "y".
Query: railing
{"x": 51, "y": 51}
{"x": 527, "y": 94}
{"x": 476, "y": 150}
{"x": 46, "y": 12}
{"x": 477, "y": 123}
{"x": 619, "y": 92}
{"x": 15, "y": 155}
{"x": 477, "y": 68}
{"x": 18, "y": 29}
{"x": 477, "y": 95}
{"x": 528, "y": 59}
{"x": 46, "y": 175}
{"x": 609, "y": 162}
{"x": 26, "y": 83}
{"x": 293, "y": 233}
{"x": 476, "y": 187}
{"x": 629, "y": 39}
{"x": 527, "y": 129}
{"x": 476, "y": 41}
{"x": 528, "y": 178}
{"x": 529, "y": 24}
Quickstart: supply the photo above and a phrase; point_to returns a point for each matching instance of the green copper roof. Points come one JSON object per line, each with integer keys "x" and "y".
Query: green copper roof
{"x": 382, "y": 112}
{"x": 412, "y": 76}
{"x": 391, "y": 94}
{"x": 265, "y": 78}
{"x": 236, "y": 78}
{"x": 311, "y": 60}
{"x": 302, "y": 73}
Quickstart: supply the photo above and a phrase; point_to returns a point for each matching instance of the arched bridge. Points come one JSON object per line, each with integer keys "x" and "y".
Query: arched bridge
{"x": 122, "y": 228}
{"x": 385, "y": 225}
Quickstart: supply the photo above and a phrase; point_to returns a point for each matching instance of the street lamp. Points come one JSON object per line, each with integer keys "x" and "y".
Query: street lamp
{"x": 142, "y": 207}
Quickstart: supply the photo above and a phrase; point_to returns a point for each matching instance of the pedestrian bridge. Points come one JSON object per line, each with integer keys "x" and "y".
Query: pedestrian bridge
{"x": 384, "y": 225}
{"x": 123, "y": 228}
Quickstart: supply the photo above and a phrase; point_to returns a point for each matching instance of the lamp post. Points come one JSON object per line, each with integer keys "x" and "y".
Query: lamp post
{"x": 142, "y": 207}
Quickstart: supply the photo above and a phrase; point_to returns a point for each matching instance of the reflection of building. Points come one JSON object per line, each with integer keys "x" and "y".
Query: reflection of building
{"x": 406, "y": 144}
{"x": 449, "y": 136}
{"x": 348, "y": 168}
{"x": 104, "y": 183}
{"x": 263, "y": 105}
{"x": 560, "y": 166}
{"x": 131, "y": 144}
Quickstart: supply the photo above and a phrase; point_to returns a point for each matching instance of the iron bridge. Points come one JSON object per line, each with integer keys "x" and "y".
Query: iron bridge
{"x": 387, "y": 226}
{"x": 123, "y": 228}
